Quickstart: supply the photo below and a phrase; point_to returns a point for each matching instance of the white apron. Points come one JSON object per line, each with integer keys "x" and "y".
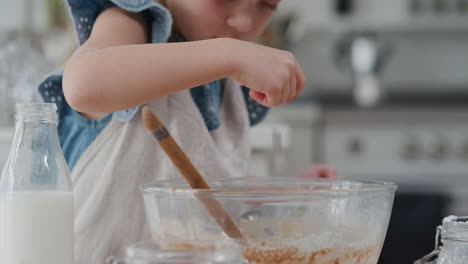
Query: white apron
{"x": 108, "y": 203}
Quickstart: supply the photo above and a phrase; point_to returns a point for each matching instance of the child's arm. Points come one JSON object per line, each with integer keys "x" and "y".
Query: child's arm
{"x": 116, "y": 70}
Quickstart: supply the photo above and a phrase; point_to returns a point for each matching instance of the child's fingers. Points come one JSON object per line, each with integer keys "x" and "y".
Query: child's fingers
{"x": 275, "y": 97}
{"x": 285, "y": 92}
{"x": 319, "y": 171}
{"x": 293, "y": 85}
{"x": 301, "y": 80}
{"x": 259, "y": 97}
{"x": 326, "y": 172}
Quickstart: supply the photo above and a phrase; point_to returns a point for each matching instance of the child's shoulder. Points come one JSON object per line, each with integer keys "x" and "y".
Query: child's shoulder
{"x": 85, "y": 12}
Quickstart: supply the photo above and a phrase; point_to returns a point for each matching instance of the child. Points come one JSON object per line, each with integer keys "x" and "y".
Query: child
{"x": 187, "y": 60}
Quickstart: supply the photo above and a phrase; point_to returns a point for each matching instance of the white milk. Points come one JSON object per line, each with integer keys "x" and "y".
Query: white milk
{"x": 36, "y": 228}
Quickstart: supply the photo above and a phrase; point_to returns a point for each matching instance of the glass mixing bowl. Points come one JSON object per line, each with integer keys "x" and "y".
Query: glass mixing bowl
{"x": 178, "y": 251}
{"x": 286, "y": 220}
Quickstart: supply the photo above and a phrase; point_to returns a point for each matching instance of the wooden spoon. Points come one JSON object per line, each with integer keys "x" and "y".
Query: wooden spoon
{"x": 191, "y": 174}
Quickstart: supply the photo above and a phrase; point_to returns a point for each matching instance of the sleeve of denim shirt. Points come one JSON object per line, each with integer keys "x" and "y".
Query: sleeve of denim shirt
{"x": 84, "y": 13}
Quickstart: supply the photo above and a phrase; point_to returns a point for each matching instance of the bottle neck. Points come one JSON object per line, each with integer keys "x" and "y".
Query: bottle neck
{"x": 35, "y": 129}
{"x": 35, "y": 135}
{"x": 36, "y": 160}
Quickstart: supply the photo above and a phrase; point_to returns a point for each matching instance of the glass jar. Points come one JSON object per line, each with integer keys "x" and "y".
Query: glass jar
{"x": 176, "y": 251}
{"x": 454, "y": 236}
{"x": 36, "y": 194}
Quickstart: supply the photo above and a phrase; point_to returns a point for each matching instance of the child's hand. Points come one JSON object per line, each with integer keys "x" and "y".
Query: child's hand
{"x": 274, "y": 76}
{"x": 319, "y": 171}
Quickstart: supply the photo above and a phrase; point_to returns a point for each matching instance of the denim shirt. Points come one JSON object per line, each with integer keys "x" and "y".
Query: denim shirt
{"x": 76, "y": 132}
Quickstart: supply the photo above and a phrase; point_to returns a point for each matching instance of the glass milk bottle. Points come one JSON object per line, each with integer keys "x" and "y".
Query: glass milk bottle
{"x": 36, "y": 194}
{"x": 454, "y": 236}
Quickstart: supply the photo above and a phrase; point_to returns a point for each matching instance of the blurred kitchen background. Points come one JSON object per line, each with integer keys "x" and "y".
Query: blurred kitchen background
{"x": 387, "y": 98}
